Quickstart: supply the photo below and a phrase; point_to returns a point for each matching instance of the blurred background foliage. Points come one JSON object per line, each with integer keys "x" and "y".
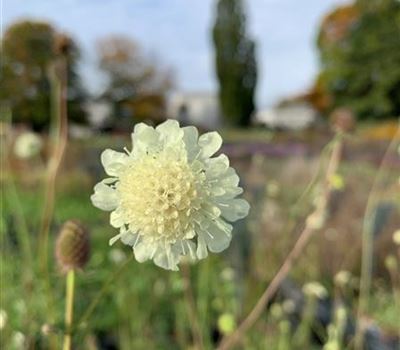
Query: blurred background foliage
{"x": 359, "y": 47}
{"x": 235, "y": 63}
{"x": 28, "y": 50}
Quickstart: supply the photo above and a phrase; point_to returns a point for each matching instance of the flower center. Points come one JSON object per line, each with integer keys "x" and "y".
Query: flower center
{"x": 158, "y": 196}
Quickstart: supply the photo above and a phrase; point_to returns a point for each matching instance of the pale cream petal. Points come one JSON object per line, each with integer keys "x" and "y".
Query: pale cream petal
{"x": 190, "y": 138}
{"x": 210, "y": 143}
{"x": 113, "y": 162}
{"x": 211, "y": 210}
{"x": 117, "y": 218}
{"x": 189, "y": 249}
{"x": 145, "y": 140}
{"x": 217, "y": 239}
{"x": 235, "y": 209}
{"x": 217, "y": 167}
{"x": 167, "y": 257}
{"x": 230, "y": 193}
{"x": 229, "y": 178}
{"x": 142, "y": 251}
{"x": 104, "y": 197}
{"x": 170, "y": 132}
{"x": 114, "y": 239}
{"x": 201, "y": 251}
{"x": 130, "y": 238}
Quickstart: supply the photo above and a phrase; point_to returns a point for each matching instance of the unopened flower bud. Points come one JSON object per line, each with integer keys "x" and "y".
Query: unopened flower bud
{"x": 72, "y": 246}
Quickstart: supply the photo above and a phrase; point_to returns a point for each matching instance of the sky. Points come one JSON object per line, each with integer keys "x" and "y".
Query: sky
{"x": 178, "y": 34}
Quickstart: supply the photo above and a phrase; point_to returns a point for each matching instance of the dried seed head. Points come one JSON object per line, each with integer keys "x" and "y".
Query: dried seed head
{"x": 342, "y": 120}
{"x": 72, "y": 246}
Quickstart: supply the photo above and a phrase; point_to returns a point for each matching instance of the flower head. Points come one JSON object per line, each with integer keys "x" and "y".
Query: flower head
{"x": 315, "y": 289}
{"x": 27, "y": 145}
{"x": 72, "y": 246}
{"x": 168, "y": 196}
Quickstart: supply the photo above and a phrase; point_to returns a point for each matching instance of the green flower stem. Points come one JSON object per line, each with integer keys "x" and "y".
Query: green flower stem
{"x": 191, "y": 308}
{"x": 69, "y": 309}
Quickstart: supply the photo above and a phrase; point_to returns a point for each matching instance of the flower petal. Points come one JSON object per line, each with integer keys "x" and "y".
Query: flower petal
{"x": 217, "y": 239}
{"x": 210, "y": 143}
{"x": 234, "y": 209}
{"x": 201, "y": 250}
{"x": 142, "y": 251}
{"x": 117, "y": 218}
{"x": 145, "y": 140}
{"x": 170, "y": 131}
{"x": 104, "y": 197}
{"x": 190, "y": 138}
{"x": 189, "y": 248}
{"x": 113, "y": 161}
{"x": 217, "y": 167}
{"x": 115, "y": 238}
{"x": 168, "y": 257}
{"x": 129, "y": 238}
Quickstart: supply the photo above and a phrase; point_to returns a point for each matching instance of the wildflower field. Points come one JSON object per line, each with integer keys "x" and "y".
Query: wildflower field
{"x": 324, "y": 207}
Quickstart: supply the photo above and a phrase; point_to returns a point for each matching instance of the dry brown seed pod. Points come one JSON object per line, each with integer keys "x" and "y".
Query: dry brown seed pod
{"x": 72, "y": 246}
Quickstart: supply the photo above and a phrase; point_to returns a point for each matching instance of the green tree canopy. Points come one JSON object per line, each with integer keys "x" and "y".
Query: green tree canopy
{"x": 360, "y": 54}
{"x": 235, "y": 61}
{"x": 27, "y": 52}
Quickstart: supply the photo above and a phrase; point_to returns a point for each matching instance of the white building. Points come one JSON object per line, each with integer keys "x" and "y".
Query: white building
{"x": 290, "y": 116}
{"x": 200, "y": 109}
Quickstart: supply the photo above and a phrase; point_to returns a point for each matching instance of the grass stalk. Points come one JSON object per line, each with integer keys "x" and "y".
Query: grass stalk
{"x": 69, "y": 309}
{"x": 191, "y": 308}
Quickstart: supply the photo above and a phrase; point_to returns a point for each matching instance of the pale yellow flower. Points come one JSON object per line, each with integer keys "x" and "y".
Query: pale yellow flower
{"x": 168, "y": 196}
{"x": 342, "y": 278}
{"x": 396, "y": 237}
{"x": 315, "y": 289}
{"x": 27, "y": 145}
{"x": 226, "y": 323}
{"x": 3, "y": 319}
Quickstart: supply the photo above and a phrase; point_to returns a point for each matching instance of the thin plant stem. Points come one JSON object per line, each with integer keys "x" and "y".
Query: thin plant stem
{"x": 101, "y": 292}
{"x": 69, "y": 309}
{"x": 367, "y": 245}
{"x": 191, "y": 308}
{"x": 294, "y": 254}
{"x": 58, "y": 78}
{"x": 60, "y": 136}
{"x": 11, "y": 193}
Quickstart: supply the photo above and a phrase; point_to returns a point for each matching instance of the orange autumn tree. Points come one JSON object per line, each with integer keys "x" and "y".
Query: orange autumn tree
{"x": 359, "y": 50}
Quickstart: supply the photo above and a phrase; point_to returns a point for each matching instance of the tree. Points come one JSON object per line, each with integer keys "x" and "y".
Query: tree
{"x": 27, "y": 53}
{"x": 235, "y": 62}
{"x": 360, "y": 54}
{"x": 137, "y": 87}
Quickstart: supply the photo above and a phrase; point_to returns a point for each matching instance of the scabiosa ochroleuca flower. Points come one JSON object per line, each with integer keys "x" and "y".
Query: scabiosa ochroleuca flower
{"x": 168, "y": 196}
